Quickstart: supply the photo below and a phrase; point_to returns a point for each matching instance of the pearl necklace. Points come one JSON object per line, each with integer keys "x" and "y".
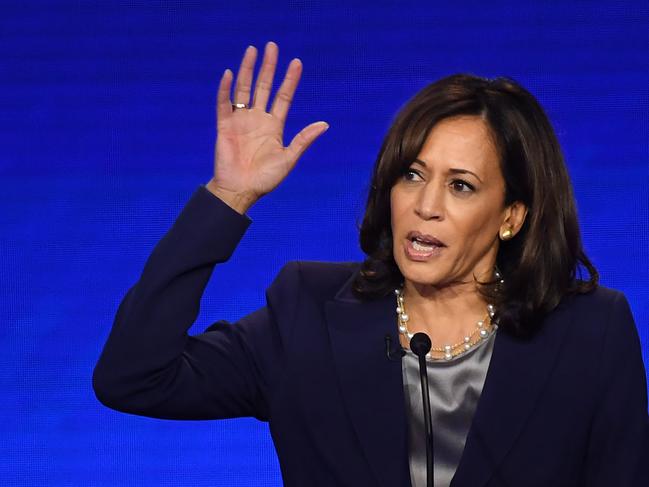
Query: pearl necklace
{"x": 484, "y": 329}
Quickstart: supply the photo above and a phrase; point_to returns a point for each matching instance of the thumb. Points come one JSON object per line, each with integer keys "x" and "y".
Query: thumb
{"x": 304, "y": 139}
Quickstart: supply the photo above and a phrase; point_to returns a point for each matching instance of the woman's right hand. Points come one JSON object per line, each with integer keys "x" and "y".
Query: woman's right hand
{"x": 250, "y": 159}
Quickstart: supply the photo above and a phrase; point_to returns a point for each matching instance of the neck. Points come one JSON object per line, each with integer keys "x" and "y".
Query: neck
{"x": 445, "y": 313}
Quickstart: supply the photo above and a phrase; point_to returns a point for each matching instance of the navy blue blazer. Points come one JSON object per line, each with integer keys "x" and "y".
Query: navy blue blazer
{"x": 566, "y": 408}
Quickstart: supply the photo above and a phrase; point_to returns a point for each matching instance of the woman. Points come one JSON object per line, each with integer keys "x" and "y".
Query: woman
{"x": 471, "y": 234}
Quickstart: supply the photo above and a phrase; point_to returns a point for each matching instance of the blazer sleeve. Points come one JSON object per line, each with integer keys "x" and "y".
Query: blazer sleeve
{"x": 150, "y": 365}
{"x": 618, "y": 451}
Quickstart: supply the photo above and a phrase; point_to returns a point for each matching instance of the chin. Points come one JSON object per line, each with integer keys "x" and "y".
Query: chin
{"x": 420, "y": 273}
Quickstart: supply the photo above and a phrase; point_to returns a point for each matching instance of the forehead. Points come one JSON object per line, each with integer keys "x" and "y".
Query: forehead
{"x": 461, "y": 142}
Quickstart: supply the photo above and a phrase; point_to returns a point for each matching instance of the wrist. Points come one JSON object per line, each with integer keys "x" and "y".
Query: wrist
{"x": 238, "y": 201}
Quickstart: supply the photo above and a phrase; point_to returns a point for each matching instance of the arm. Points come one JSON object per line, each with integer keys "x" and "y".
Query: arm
{"x": 149, "y": 364}
{"x": 618, "y": 452}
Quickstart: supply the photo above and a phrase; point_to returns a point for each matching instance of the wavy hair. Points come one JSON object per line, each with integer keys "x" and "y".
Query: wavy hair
{"x": 545, "y": 261}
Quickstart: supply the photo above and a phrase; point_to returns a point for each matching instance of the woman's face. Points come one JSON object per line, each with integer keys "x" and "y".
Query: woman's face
{"x": 448, "y": 208}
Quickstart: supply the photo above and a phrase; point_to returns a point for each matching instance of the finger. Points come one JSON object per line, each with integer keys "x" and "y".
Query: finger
{"x": 304, "y": 139}
{"x": 265, "y": 78}
{"x": 223, "y": 103}
{"x": 284, "y": 95}
{"x": 244, "y": 76}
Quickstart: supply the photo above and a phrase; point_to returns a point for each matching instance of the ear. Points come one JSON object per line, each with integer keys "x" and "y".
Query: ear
{"x": 514, "y": 218}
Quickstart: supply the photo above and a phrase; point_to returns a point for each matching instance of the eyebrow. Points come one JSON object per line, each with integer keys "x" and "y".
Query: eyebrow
{"x": 452, "y": 170}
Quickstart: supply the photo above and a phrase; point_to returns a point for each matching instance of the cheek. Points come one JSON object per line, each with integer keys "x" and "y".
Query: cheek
{"x": 395, "y": 211}
{"x": 399, "y": 205}
{"x": 479, "y": 231}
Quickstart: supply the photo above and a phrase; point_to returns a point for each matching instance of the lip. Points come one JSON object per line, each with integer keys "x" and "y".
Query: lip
{"x": 429, "y": 239}
{"x": 419, "y": 255}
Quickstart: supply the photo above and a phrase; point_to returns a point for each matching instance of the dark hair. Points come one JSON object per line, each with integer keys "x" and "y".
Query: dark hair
{"x": 544, "y": 261}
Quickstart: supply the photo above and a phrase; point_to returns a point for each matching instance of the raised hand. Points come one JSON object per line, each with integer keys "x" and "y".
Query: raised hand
{"x": 250, "y": 159}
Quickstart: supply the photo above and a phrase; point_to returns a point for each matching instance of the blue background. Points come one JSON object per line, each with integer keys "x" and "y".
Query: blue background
{"x": 107, "y": 127}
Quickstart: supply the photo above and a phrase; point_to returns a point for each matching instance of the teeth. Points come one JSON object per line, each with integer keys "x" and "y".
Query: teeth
{"x": 417, "y": 245}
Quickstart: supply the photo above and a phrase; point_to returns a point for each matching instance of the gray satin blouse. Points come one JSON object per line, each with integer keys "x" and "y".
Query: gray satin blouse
{"x": 455, "y": 387}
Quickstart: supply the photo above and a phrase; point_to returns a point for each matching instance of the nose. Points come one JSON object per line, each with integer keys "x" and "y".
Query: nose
{"x": 430, "y": 203}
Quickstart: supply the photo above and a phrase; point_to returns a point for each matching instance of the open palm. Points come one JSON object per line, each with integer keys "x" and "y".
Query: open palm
{"x": 250, "y": 159}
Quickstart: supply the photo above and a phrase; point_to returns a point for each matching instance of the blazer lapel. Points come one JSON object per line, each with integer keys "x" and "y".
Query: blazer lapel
{"x": 517, "y": 373}
{"x": 371, "y": 385}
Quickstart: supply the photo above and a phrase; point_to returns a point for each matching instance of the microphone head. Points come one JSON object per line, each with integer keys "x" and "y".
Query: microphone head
{"x": 420, "y": 344}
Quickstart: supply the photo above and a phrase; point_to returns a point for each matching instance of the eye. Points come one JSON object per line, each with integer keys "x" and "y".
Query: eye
{"x": 412, "y": 175}
{"x": 461, "y": 186}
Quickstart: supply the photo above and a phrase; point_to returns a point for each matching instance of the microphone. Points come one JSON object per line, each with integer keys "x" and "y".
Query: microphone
{"x": 392, "y": 355}
{"x": 420, "y": 344}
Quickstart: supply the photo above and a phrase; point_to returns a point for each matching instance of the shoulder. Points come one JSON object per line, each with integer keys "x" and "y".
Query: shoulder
{"x": 600, "y": 294}
{"x": 321, "y": 280}
{"x": 597, "y": 306}
{"x": 601, "y": 316}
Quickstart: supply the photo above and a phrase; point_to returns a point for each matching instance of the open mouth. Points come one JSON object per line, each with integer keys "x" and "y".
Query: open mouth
{"x": 421, "y": 246}
{"x": 424, "y": 239}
